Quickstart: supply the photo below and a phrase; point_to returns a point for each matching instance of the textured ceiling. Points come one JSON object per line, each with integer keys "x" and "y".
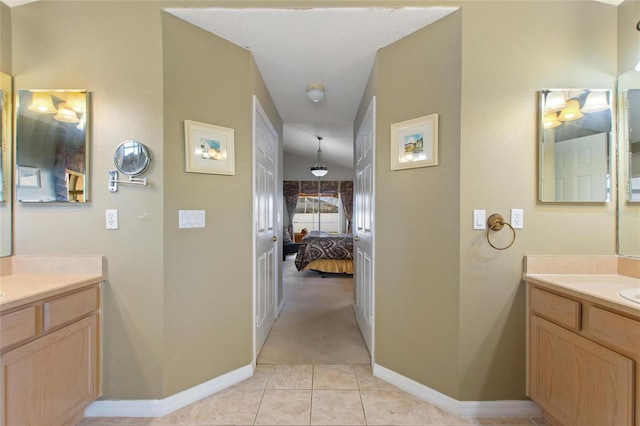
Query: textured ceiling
{"x": 335, "y": 47}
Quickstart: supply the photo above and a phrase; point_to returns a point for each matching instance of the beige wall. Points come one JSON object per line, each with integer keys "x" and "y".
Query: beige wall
{"x": 508, "y": 55}
{"x": 123, "y": 71}
{"x": 628, "y": 57}
{"x": 628, "y": 36}
{"x": 177, "y": 305}
{"x": 5, "y": 38}
{"x": 450, "y": 310}
{"x": 417, "y": 210}
{"x": 208, "y": 290}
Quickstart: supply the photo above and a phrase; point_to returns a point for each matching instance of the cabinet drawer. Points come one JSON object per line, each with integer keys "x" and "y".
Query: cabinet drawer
{"x": 68, "y": 308}
{"x": 17, "y": 327}
{"x": 557, "y": 309}
{"x": 621, "y": 332}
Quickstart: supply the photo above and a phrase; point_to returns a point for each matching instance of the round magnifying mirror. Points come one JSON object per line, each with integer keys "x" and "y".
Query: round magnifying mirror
{"x": 131, "y": 158}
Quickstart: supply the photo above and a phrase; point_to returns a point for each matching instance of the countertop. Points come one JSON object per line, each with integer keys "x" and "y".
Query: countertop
{"x": 597, "y": 288}
{"x": 22, "y": 289}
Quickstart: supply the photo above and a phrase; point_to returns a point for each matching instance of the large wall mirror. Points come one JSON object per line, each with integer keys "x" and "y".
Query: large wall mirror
{"x": 6, "y": 126}
{"x": 629, "y": 163}
{"x": 51, "y": 146}
{"x": 575, "y": 145}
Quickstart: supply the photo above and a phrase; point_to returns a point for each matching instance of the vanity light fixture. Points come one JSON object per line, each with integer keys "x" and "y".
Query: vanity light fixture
{"x": 596, "y": 102}
{"x": 571, "y": 111}
{"x": 42, "y": 102}
{"x": 319, "y": 169}
{"x": 555, "y": 101}
{"x": 66, "y": 114}
{"x": 76, "y": 101}
{"x": 550, "y": 120}
{"x": 315, "y": 92}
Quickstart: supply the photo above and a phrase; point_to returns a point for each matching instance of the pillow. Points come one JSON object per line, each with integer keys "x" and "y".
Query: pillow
{"x": 286, "y": 236}
{"x": 318, "y": 234}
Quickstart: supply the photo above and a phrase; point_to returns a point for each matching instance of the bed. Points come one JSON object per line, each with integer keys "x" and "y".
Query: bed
{"x": 329, "y": 254}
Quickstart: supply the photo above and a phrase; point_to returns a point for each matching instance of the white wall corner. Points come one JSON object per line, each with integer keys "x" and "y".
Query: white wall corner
{"x": 465, "y": 409}
{"x": 162, "y": 407}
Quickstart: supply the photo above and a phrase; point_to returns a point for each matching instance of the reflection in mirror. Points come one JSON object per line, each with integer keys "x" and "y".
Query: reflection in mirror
{"x": 5, "y": 164}
{"x": 574, "y": 157}
{"x": 131, "y": 158}
{"x": 51, "y": 146}
{"x": 629, "y": 163}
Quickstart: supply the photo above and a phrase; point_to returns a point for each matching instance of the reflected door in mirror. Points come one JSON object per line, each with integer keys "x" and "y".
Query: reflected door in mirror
{"x": 51, "y": 146}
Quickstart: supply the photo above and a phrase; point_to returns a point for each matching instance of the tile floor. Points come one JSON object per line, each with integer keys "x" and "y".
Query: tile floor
{"x": 310, "y": 395}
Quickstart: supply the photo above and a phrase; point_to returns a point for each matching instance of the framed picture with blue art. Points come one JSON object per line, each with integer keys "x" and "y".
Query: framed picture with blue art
{"x": 209, "y": 148}
{"x": 414, "y": 143}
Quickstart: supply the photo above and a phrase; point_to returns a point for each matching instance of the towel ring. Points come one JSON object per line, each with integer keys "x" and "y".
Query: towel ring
{"x": 495, "y": 223}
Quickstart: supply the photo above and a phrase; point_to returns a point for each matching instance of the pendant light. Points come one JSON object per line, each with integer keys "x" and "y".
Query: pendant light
{"x": 319, "y": 169}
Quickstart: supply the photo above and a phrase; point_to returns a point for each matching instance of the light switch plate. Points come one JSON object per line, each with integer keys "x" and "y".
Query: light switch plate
{"x": 479, "y": 219}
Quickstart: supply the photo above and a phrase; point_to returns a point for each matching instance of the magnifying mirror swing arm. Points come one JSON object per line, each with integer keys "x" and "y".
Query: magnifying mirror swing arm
{"x": 113, "y": 181}
{"x": 132, "y": 159}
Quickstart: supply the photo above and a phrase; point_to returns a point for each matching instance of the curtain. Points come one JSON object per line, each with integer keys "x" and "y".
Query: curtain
{"x": 291, "y": 189}
{"x": 346, "y": 193}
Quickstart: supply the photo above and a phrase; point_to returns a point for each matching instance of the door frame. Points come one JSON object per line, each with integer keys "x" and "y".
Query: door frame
{"x": 257, "y": 109}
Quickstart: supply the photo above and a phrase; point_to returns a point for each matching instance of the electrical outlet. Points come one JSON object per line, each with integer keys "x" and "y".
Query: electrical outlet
{"x": 111, "y": 218}
{"x": 517, "y": 218}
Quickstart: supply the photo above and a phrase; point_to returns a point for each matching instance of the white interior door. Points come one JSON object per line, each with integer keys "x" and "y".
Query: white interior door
{"x": 265, "y": 144}
{"x": 581, "y": 168}
{"x": 364, "y": 223}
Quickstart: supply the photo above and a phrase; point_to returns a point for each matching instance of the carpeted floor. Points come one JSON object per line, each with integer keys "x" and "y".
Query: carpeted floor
{"x": 317, "y": 324}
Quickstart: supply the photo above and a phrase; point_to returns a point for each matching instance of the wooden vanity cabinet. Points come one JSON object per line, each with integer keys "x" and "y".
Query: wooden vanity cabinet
{"x": 581, "y": 371}
{"x": 49, "y": 377}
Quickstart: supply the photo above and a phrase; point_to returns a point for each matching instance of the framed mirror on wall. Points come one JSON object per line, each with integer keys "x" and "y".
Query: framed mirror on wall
{"x": 629, "y": 163}
{"x": 574, "y": 159}
{"x": 52, "y": 146}
{"x": 6, "y": 126}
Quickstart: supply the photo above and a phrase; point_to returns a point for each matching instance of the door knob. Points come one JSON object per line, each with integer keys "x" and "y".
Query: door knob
{"x": 356, "y": 238}
{"x": 274, "y": 238}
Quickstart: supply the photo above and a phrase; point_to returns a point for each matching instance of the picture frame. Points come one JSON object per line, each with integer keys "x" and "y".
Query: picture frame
{"x": 414, "y": 143}
{"x": 209, "y": 148}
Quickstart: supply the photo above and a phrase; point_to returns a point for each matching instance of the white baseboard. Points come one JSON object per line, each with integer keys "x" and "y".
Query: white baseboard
{"x": 162, "y": 407}
{"x": 464, "y": 409}
{"x": 280, "y": 308}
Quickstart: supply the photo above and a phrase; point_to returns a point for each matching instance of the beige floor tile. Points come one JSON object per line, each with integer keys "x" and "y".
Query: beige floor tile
{"x": 334, "y": 377}
{"x": 366, "y": 379}
{"x": 113, "y": 421}
{"x": 229, "y": 407}
{"x": 258, "y": 380}
{"x": 285, "y": 407}
{"x": 290, "y": 377}
{"x": 388, "y": 407}
{"x": 337, "y": 407}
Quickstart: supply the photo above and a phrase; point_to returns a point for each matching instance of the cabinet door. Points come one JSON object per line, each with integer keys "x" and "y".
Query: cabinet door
{"x": 577, "y": 381}
{"x": 49, "y": 380}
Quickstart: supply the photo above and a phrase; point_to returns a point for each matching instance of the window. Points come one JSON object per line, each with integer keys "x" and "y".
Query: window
{"x": 321, "y": 213}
